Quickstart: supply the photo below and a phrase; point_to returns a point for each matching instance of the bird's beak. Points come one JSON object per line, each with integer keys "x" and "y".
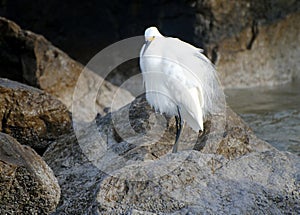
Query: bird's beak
{"x": 147, "y": 43}
{"x": 151, "y": 38}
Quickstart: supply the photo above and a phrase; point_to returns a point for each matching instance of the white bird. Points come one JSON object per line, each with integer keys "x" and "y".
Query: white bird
{"x": 179, "y": 80}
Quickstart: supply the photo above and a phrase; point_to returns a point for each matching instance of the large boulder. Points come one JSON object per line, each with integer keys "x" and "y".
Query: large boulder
{"x": 260, "y": 54}
{"x": 263, "y": 183}
{"x": 122, "y": 164}
{"x": 27, "y": 184}
{"x": 29, "y": 58}
{"x": 30, "y": 115}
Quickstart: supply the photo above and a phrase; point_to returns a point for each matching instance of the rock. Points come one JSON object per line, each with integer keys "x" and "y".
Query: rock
{"x": 30, "y": 58}
{"x": 122, "y": 165}
{"x": 248, "y": 40}
{"x": 136, "y": 130}
{"x": 31, "y": 116}
{"x": 267, "y": 58}
{"x": 219, "y": 19}
{"x": 27, "y": 184}
{"x": 207, "y": 184}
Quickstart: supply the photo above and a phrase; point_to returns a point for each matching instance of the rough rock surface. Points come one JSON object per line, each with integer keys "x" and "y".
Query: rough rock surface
{"x": 260, "y": 55}
{"x": 27, "y": 184}
{"x": 252, "y": 43}
{"x": 219, "y": 19}
{"x": 29, "y": 58}
{"x": 260, "y": 183}
{"x": 120, "y": 165}
{"x": 31, "y": 116}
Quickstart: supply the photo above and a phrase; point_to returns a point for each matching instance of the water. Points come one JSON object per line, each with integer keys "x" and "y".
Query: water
{"x": 272, "y": 112}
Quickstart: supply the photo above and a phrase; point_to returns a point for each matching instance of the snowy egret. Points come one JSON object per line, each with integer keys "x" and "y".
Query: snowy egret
{"x": 179, "y": 80}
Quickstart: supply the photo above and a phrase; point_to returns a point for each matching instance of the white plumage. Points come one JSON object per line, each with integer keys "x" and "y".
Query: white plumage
{"x": 179, "y": 79}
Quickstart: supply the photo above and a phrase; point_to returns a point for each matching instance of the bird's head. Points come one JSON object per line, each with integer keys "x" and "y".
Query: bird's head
{"x": 151, "y": 33}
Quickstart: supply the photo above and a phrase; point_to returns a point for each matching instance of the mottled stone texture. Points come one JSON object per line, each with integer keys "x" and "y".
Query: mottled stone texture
{"x": 30, "y": 115}
{"x": 121, "y": 166}
{"x": 260, "y": 55}
{"x": 27, "y": 184}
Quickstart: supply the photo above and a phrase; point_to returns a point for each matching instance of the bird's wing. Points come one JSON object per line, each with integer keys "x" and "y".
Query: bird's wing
{"x": 199, "y": 72}
{"x": 194, "y": 107}
{"x": 187, "y": 65}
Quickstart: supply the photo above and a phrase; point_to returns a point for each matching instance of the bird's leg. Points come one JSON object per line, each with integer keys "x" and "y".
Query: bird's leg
{"x": 179, "y": 123}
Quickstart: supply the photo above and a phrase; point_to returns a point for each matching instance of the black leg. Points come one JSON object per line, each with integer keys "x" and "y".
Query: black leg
{"x": 179, "y": 124}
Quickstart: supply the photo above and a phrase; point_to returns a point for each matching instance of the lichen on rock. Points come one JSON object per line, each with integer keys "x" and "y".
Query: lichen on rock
{"x": 27, "y": 184}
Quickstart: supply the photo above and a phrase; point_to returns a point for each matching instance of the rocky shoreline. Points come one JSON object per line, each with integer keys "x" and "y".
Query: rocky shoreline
{"x": 112, "y": 165}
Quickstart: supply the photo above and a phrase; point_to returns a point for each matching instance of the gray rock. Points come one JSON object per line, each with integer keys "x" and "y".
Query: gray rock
{"x": 27, "y": 184}
{"x": 30, "y": 115}
{"x": 29, "y": 58}
{"x": 260, "y": 183}
{"x": 122, "y": 165}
